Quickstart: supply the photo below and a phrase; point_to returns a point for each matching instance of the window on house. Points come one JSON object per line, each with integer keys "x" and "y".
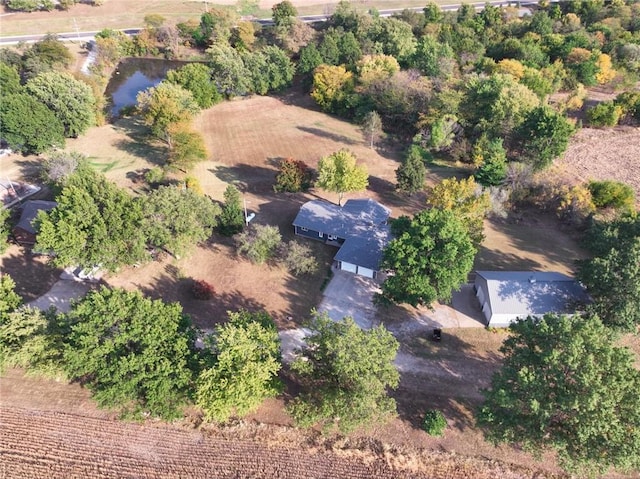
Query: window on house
{"x": 332, "y": 237}
{"x": 320, "y": 234}
{"x": 304, "y": 229}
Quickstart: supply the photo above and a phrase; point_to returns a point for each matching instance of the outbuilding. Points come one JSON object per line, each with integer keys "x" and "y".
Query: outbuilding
{"x": 505, "y": 296}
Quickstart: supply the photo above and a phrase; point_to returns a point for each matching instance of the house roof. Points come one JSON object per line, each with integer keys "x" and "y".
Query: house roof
{"x": 30, "y": 210}
{"x": 354, "y": 218}
{"x": 526, "y": 293}
{"x": 361, "y": 223}
{"x": 365, "y": 250}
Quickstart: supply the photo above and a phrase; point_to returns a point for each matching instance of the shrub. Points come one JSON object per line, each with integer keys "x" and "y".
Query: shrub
{"x": 606, "y": 113}
{"x": 202, "y": 290}
{"x": 298, "y": 258}
{"x": 294, "y": 176}
{"x": 629, "y": 102}
{"x": 614, "y": 194}
{"x": 154, "y": 176}
{"x": 575, "y": 204}
{"x": 193, "y": 183}
{"x": 434, "y": 423}
{"x": 259, "y": 243}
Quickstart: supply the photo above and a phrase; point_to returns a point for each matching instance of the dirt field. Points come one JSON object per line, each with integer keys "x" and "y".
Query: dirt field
{"x": 603, "y": 154}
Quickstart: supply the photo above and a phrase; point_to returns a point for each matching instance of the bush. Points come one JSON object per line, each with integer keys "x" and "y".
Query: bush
{"x": 259, "y": 243}
{"x": 294, "y": 176}
{"x": 154, "y": 176}
{"x": 614, "y": 194}
{"x": 202, "y": 290}
{"x": 434, "y": 423}
{"x": 606, "y": 113}
{"x": 298, "y": 258}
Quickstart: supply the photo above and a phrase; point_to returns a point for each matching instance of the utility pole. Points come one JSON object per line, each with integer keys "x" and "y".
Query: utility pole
{"x": 77, "y": 29}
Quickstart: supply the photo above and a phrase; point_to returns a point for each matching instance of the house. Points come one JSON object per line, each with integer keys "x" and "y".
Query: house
{"x": 505, "y": 296}
{"x": 359, "y": 228}
{"x": 24, "y": 232}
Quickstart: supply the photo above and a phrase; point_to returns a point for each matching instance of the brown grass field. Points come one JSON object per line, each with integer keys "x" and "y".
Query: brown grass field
{"x": 245, "y": 139}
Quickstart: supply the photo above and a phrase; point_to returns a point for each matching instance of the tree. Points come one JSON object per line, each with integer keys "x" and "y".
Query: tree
{"x": 135, "y": 354}
{"x": 371, "y": 68}
{"x": 294, "y": 176}
{"x": 280, "y": 69}
{"x": 165, "y": 105}
{"x": 496, "y": 105}
{"x": 564, "y": 386}
{"x": 333, "y": 88}
{"x": 28, "y": 126}
{"x": 94, "y": 223}
{"x": 411, "y": 174}
{"x": 612, "y": 279}
{"x": 186, "y": 147}
{"x": 543, "y": 136}
{"x": 232, "y": 217}
{"x": 297, "y": 258}
{"x": 45, "y": 55}
{"x": 243, "y": 36}
{"x": 9, "y": 80}
{"x": 196, "y": 78}
{"x": 71, "y": 101}
{"x": 176, "y": 219}
{"x": 259, "y": 243}
{"x": 9, "y": 299}
{"x": 310, "y": 58}
{"x": 30, "y": 340}
{"x": 372, "y": 127}
{"x": 492, "y": 158}
{"x": 58, "y": 166}
{"x": 345, "y": 373}
{"x": 430, "y": 256}
{"x": 284, "y": 15}
{"x": 244, "y": 372}
{"x": 228, "y": 71}
{"x": 396, "y": 38}
{"x": 466, "y": 200}
{"x": 5, "y": 213}
{"x": 339, "y": 173}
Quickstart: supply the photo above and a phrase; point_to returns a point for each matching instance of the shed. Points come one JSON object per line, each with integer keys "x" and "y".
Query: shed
{"x": 24, "y": 232}
{"x": 505, "y": 296}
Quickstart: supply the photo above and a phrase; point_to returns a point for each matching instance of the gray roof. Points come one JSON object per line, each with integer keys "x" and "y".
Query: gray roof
{"x": 365, "y": 250}
{"x": 526, "y": 293}
{"x": 361, "y": 223}
{"x": 30, "y": 210}
{"x": 354, "y": 218}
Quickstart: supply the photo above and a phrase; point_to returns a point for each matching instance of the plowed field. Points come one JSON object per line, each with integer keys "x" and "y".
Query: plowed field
{"x": 52, "y": 444}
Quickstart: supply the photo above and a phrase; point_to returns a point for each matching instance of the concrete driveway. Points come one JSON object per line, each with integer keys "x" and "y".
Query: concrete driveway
{"x": 348, "y": 294}
{"x": 60, "y": 295}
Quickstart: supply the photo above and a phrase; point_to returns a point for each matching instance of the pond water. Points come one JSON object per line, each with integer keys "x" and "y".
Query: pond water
{"x": 133, "y": 75}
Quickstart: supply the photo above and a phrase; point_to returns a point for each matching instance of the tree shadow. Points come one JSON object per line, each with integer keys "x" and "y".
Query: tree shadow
{"x": 139, "y": 141}
{"x": 329, "y": 135}
{"x": 247, "y": 178}
{"x": 30, "y": 169}
{"x": 33, "y": 274}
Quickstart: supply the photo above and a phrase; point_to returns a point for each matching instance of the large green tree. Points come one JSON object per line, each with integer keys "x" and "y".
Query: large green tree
{"x": 613, "y": 281}
{"x": 196, "y": 78}
{"x": 246, "y": 362}
{"x": 339, "y": 173}
{"x": 94, "y": 223}
{"x": 135, "y": 354}
{"x": 543, "y": 136}
{"x": 411, "y": 174}
{"x": 333, "y": 88}
{"x": 165, "y": 105}
{"x": 232, "y": 217}
{"x": 430, "y": 256}
{"x": 28, "y": 126}
{"x": 71, "y": 101}
{"x": 564, "y": 386}
{"x": 176, "y": 219}
{"x": 345, "y": 373}
{"x": 186, "y": 147}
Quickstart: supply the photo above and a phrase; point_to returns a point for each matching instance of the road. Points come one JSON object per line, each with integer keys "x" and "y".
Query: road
{"x": 87, "y": 36}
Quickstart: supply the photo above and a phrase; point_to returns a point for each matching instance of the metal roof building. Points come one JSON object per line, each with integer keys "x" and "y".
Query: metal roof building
{"x": 505, "y": 296}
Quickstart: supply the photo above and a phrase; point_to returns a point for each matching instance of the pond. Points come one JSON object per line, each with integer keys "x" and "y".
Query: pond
{"x": 133, "y": 75}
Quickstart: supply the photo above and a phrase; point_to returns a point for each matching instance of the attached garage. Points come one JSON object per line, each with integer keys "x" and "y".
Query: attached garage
{"x": 366, "y": 272}
{"x": 351, "y": 268}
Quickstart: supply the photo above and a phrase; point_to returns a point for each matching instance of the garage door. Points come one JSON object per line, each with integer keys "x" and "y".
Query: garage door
{"x": 365, "y": 272}
{"x": 351, "y": 268}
